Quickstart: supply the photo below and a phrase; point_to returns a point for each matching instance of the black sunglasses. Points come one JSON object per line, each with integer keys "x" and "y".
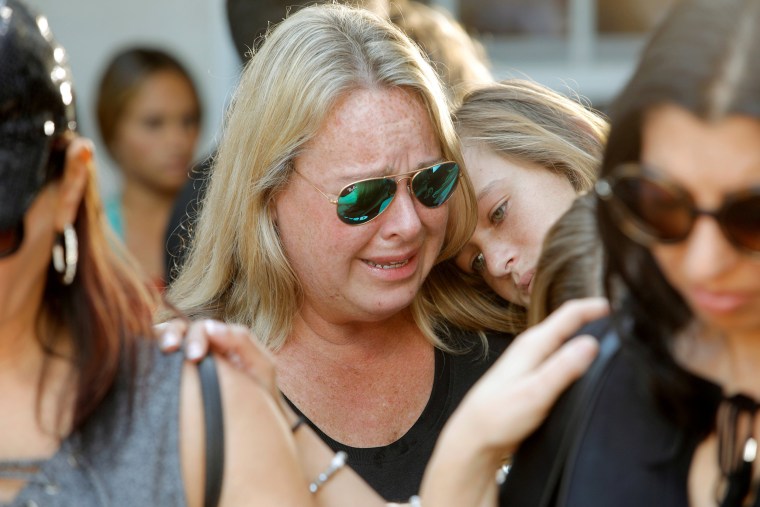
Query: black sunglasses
{"x": 649, "y": 209}
{"x": 362, "y": 201}
{"x": 11, "y": 239}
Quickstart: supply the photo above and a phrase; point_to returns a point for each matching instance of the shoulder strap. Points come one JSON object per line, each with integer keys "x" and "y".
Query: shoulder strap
{"x": 214, "y": 422}
{"x": 536, "y": 474}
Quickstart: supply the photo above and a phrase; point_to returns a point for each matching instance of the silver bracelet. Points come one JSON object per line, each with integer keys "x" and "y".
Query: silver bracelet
{"x": 415, "y": 501}
{"x": 338, "y": 462}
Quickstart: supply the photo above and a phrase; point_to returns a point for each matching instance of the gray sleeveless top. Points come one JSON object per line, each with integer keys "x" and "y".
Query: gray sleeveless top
{"x": 117, "y": 459}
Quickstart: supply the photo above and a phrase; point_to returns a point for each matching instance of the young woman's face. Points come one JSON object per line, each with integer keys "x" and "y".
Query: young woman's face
{"x": 154, "y": 143}
{"x": 709, "y": 160}
{"x": 517, "y": 204}
{"x": 368, "y": 272}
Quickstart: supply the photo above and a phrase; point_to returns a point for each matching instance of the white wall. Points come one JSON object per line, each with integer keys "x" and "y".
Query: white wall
{"x": 193, "y": 30}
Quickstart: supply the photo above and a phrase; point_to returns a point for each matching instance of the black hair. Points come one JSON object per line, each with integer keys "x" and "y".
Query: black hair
{"x": 703, "y": 58}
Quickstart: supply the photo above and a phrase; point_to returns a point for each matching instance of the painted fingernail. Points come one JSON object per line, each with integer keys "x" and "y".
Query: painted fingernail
{"x": 213, "y": 327}
{"x": 194, "y": 350}
{"x": 85, "y": 154}
{"x": 169, "y": 339}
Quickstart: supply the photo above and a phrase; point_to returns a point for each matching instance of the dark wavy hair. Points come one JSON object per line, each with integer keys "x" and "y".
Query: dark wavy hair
{"x": 703, "y": 58}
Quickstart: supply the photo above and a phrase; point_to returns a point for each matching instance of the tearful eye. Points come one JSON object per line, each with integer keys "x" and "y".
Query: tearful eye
{"x": 478, "y": 263}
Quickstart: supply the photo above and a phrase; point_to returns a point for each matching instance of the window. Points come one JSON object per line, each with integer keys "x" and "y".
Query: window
{"x": 585, "y": 47}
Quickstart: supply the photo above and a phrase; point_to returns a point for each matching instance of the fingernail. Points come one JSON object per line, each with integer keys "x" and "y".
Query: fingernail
{"x": 169, "y": 339}
{"x": 213, "y": 327}
{"x": 85, "y": 154}
{"x": 194, "y": 350}
{"x": 235, "y": 360}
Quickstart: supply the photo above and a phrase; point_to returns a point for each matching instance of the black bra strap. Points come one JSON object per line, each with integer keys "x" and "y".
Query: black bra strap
{"x": 214, "y": 422}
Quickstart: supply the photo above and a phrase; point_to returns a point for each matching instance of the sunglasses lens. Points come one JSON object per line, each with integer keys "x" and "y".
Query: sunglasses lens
{"x": 10, "y": 239}
{"x": 656, "y": 211}
{"x": 363, "y": 201}
{"x": 741, "y": 220}
{"x": 433, "y": 186}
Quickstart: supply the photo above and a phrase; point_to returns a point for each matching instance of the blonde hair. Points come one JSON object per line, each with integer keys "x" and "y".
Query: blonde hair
{"x": 571, "y": 262}
{"x": 523, "y": 122}
{"x": 237, "y": 270}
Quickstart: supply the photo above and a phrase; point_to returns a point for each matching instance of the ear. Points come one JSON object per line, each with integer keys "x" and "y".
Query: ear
{"x": 76, "y": 175}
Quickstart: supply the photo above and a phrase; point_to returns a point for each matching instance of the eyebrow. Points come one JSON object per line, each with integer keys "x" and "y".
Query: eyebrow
{"x": 488, "y": 188}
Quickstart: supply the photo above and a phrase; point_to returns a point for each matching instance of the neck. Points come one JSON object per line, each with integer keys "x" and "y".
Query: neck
{"x": 20, "y": 351}
{"x": 329, "y": 345}
{"x": 136, "y": 196}
{"x": 730, "y": 359}
{"x": 19, "y": 344}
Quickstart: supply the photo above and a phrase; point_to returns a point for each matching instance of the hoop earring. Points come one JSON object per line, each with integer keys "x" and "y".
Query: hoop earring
{"x": 66, "y": 254}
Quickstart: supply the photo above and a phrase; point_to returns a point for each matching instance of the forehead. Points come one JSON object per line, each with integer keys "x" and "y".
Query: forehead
{"x": 371, "y": 132}
{"x": 490, "y": 171}
{"x": 708, "y": 158}
{"x": 161, "y": 89}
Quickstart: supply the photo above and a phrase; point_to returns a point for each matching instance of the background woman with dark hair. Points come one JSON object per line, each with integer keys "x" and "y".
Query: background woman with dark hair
{"x": 149, "y": 117}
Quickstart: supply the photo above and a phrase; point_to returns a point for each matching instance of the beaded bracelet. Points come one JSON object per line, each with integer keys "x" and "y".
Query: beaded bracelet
{"x": 338, "y": 462}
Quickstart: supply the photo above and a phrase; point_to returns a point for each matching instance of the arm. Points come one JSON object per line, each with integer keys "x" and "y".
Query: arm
{"x": 506, "y": 405}
{"x": 254, "y": 364}
{"x": 345, "y": 488}
{"x": 261, "y": 465}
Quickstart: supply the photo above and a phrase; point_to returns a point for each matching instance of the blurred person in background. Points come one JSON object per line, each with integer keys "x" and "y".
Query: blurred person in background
{"x": 149, "y": 115}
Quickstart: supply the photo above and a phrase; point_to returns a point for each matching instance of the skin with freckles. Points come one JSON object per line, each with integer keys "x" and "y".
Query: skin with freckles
{"x": 517, "y": 204}
{"x": 371, "y": 133}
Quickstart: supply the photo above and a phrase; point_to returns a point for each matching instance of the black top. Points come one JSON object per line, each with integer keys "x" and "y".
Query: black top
{"x": 625, "y": 451}
{"x": 395, "y": 470}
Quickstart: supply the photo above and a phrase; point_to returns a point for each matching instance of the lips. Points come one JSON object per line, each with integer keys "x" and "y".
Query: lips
{"x": 717, "y": 302}
{"x": 390, "y": 265}
{"x": 389, "y": 262}
{"x": 525, "y": 281}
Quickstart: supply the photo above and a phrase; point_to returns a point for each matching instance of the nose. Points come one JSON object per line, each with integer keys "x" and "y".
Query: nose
{"x": 401, "y": 217}
{"x": 500, "y": 257}
{"x": 180, "y": 136}
{"x": 708, "y": 252}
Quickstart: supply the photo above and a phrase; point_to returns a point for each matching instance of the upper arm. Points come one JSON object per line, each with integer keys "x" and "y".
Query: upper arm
{"x": 260, "y": 463}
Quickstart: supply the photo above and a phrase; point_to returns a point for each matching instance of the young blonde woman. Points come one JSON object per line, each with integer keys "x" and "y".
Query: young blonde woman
{"x": 530, "y": 152}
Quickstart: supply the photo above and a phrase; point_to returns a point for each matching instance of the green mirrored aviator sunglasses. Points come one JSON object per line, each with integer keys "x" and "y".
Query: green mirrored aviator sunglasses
{"x": 364, "y": 200}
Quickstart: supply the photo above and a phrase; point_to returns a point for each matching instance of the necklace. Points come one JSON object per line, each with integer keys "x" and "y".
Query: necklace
{"x": 737, "y": 451}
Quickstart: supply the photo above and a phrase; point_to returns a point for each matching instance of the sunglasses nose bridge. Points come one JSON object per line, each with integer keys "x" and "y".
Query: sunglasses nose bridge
{"x": 403, "y": 177}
